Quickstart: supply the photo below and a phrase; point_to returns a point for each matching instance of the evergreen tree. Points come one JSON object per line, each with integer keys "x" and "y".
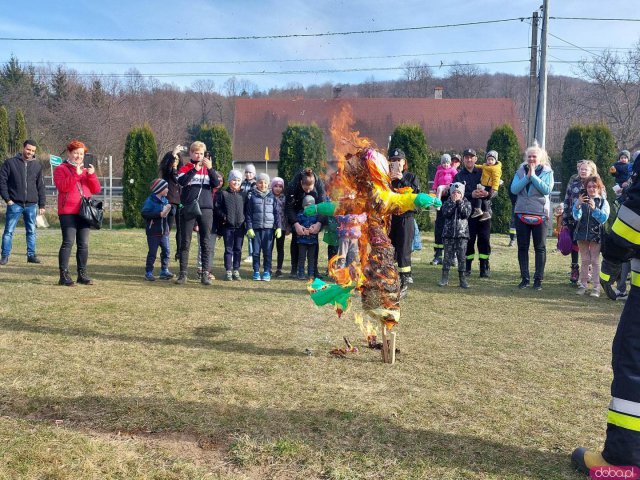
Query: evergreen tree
{"x": 19, "y": 131}
{"x": 302, "y": 146}
{"x": 411, "y": 139}
{"x": 604, "y": 155}
{"x": 578, "y": 145}
{"x": 504, "y": 141}
{"x": 5, "y": 134}
{"x": 218, "y": 142}
{"x": 140, "y": 168}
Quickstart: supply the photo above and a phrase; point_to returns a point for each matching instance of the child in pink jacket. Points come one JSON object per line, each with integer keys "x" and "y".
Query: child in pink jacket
{"x": 444, "y": 175}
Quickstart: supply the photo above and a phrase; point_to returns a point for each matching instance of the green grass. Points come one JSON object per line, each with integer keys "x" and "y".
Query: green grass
{"x": 132, "y": 380}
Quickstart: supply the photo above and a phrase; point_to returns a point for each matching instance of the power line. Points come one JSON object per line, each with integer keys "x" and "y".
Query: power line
{"x": 595, "y": 19}
{"x": 264, "y": 72}
{"x": 263, "y": 37}
{"x": 293, "y": 60}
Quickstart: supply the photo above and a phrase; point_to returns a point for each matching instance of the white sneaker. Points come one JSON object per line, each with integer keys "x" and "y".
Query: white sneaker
{"x": 581, "y": 290}
{"x": 248, "y": 260}
{"x": 595, "y": 292}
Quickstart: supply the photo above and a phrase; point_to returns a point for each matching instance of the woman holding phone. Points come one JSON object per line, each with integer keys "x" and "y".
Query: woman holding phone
{"x": 74, "y": 181}
{"x": 402, "y": 226}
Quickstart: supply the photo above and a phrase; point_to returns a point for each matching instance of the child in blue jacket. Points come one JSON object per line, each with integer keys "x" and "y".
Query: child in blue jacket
{"x": 307, "y": 243}
{"x": 155, "y": 210}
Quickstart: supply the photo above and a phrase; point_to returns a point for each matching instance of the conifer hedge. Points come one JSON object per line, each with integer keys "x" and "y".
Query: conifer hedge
{"x": 139, "y": 169}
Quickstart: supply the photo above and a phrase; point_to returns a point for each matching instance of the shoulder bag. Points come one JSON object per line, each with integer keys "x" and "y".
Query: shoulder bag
{"x": 90, "y": 210}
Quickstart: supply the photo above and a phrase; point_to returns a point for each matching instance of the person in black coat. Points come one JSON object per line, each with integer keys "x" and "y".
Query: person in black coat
{"x": 304, "y": 183}
{"x": 169, "y": 166}
{"x": 402, "y": 226}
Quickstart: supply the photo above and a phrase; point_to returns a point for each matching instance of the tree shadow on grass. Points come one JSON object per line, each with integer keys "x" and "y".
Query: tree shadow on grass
{"x": 342, "y": 436}
{"x": 201, "y": 338}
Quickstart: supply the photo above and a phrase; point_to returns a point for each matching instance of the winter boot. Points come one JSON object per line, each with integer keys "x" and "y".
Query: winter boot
{"x": 182, "y": 278}
{"x": 485, "y": 272}
{"x": 65, "y": 278}
{"x": 83, "y": 278}
{"x": 437, "y": 257}
{"x": 468, "y": 269}
{"x": 464, "y": 283}
{"x": 512, "y": 240}
{"x": 444, "y": 280}
{"x": 477, "y": 212}
{"x": 575, "y": 273}
{"x": 584, "y": 460}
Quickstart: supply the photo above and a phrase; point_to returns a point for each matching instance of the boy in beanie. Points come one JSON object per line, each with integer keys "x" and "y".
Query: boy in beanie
{"x": 621, "y": 171}
{"x": 230, "y": 205}
{"x": 307, "y": 242}
{"x": 155, "y": 210}
{"x": 490, "y": 181}
{"x": 277, "y": 188}
{"x": 262, "y": 223}
{"x": 456, "y": 211}
{"x": 247, "y": 186}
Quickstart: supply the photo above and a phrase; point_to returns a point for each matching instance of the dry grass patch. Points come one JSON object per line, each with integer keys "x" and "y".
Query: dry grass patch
{"x": 162, "y": 381}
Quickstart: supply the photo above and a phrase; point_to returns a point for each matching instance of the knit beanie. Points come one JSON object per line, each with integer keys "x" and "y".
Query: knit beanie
{"x": 277, "y": 181}
{"x": 263, "y": 176}
{"x": 491, "y": 153}
{"x": 158, "y": 185}
{"x": 308, "y": 200}
{"x": 235, "y": 175}
{"x": 444, "y": 159}
{"x": 250, "y": 168}
{"x": 624, "y": 153}
{"x": 456, "y": 186}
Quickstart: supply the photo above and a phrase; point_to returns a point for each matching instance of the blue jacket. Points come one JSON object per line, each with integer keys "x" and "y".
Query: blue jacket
{"x": 589, "y": 222}
{"x": 533, "y": 192}
{"x": 306, "y": 222}
{"x": 621, "y": 172}
{"x": 151, "y": 210}
{"x": 262, "y": 211}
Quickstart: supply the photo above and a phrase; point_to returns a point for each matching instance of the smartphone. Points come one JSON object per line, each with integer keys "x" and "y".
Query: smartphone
{"x": 89, "y": 160}
{"x": 583, "y": 193}
{"x": 394, "y": 168}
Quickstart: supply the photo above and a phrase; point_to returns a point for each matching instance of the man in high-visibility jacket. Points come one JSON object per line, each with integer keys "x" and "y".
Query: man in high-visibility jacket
{"x": 622, "y": 243}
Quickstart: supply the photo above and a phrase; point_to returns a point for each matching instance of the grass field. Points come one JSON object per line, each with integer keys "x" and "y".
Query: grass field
{"x": 135, "y": 380}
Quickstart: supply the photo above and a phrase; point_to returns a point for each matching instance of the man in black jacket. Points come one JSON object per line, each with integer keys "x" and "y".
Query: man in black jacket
{"x": 22, "y": 188}
{"x": 478, "y": 231}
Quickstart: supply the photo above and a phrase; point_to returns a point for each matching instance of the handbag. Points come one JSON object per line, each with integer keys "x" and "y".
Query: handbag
{"x": 565, "y": 242}
{"x": 192, "y": 209}
{"x": 91, "y": 212}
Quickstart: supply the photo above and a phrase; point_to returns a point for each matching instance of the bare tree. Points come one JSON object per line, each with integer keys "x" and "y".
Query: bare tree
{"x": 203, "y": 91}
{"x": 466, "y": 81}
{"x": 419, "y": 78}
{"x": 613, "y": 92}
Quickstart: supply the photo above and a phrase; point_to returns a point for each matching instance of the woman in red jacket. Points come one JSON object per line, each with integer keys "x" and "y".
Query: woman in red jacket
{"x": 71, "y": 178}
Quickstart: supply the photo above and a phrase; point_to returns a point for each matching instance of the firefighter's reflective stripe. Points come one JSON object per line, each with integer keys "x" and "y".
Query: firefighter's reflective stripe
{"x": 438, "y": 245}
{"x": 627, "y": 225}
{"x": 471, "y": 257}
{"x": 622, "y": 420}
{"x": 628, "y": 407}
{"x": 404, "y": 269}
{"x": 635, "y": 272}
{"x": 604, "y": 276}
{"x": 483, "y": 256}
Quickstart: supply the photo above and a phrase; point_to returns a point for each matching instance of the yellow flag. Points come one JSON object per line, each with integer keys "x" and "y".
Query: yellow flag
{"x": 266, "y": 154}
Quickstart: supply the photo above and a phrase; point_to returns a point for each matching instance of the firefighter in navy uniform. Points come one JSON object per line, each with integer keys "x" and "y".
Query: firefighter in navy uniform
{"x": 622, "y": 243}
{"x": 402, "y": 226}
{"x": 479, "y": 230}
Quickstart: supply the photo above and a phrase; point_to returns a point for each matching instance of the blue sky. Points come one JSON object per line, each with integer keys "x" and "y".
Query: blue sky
{"x": 501, "y": 42}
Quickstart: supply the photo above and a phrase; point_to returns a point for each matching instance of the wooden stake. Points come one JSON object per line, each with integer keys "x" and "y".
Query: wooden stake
{"x": 385, "y": 346}
{"x": 392, "y": 348}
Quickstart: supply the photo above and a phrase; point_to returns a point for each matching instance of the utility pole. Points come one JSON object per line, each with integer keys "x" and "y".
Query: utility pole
{"x": 541, "y": 112}
{"x": 533, "y": 80}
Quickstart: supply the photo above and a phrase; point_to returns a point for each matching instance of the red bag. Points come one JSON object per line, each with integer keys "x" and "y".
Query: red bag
{"x": 565, "y": 242}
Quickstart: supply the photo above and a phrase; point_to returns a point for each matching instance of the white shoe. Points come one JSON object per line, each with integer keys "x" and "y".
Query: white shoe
{"x": 595, "y": 292}
{"x": 581, "y": 290}
{"x": 248, "y": 260}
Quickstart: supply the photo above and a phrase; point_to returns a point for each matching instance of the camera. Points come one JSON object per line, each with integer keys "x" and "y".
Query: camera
{"x": 184, "y": 149}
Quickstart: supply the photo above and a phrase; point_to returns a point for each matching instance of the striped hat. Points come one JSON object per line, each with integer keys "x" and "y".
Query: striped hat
{"x": 158, "y": 185}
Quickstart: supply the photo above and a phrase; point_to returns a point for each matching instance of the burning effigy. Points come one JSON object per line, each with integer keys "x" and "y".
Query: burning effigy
{"x": 361, "y": 196}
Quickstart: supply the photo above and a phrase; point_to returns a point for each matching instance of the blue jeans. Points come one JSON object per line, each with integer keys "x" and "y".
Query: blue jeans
{"x": 262, "y": 242}
{"x": 14, "y": 212}
{"x": 154, "y": 242}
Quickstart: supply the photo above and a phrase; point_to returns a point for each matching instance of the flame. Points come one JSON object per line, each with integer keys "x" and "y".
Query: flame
{"x": 368, "y": 330}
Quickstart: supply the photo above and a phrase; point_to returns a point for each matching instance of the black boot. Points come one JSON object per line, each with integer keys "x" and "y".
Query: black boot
{"x": 468, "y": 269}
{"x": 484, "y": 268}
{"x": 65, "y": 278}
{"x": 83, "y": 278}
{"x": 444, "y": 281}
{"x": 464, "y": 283}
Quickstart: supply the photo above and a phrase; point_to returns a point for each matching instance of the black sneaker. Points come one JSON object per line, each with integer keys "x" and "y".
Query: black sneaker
{"x": 537, "y": 284}
{"x": 33, "y": 259}
{"x": 523, "y": 284}
{"x": 182, "y": 278}
{"x": 4, "y": 260}
{"x": 278, "y": 273}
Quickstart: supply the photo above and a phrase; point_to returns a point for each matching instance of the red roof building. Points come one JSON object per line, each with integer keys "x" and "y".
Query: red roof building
{"x": 449, "y": 124}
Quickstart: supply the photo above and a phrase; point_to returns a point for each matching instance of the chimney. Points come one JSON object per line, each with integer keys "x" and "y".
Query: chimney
{"x": 437, "y": 93}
